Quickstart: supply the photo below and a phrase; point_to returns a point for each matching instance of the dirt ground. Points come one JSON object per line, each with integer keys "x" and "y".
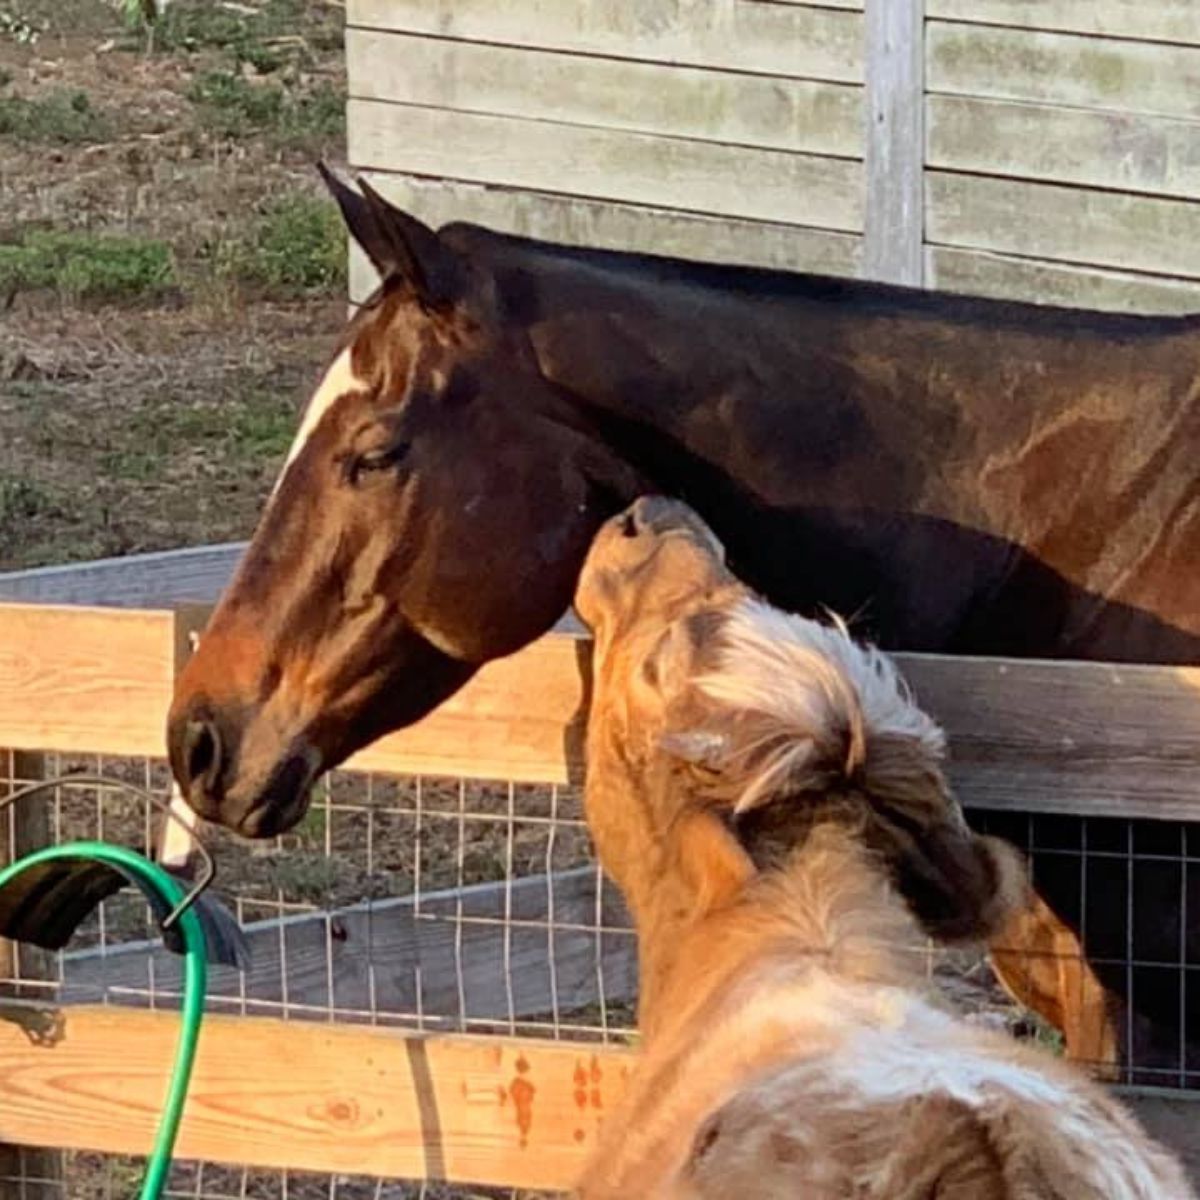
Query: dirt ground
{"x": 146, "y": 414}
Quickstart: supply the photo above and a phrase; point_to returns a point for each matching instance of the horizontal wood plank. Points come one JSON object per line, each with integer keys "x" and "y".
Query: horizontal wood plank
{"x": 1152, "y": 20}
{"x": 538, "y": 947}
{"x": 1089, "y": 72}
{"x": 1035, "y": 736}
{"x": 718, "y": 106}
{"x": 1064, "y": 224}
{"x": 84, "y": 679}
{"x": 607, "y": 226}
{"x": 1156, "y": 155}
{"x": 316, "y": 1097}
{"x": 678, "y": 173}
{"x": 155, "y": 580}
{"x": 982, "y": 273}
{"x": 801, "y": 41}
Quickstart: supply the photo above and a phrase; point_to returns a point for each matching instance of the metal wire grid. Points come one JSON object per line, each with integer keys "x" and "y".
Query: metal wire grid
{"x": 458, "y": 906}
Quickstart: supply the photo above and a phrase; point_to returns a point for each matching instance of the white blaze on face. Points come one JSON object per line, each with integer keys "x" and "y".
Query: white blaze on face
{"x": 339, "y": 381}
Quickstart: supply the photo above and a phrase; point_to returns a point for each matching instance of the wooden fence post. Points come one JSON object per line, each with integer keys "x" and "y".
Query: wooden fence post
{"x": 894, "y": 233}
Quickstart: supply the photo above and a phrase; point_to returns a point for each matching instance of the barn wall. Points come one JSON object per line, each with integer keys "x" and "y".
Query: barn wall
{"x": 1039, "y": 149}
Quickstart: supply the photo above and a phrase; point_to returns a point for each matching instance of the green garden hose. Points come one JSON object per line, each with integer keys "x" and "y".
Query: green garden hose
{"x": 44, "y": 895}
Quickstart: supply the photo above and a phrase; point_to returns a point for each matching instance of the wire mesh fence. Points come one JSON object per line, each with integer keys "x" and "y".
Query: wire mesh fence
{"x": 454, "y": 906}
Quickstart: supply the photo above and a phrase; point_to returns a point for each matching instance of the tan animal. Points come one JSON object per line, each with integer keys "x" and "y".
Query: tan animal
{"x": 771, "y": 803}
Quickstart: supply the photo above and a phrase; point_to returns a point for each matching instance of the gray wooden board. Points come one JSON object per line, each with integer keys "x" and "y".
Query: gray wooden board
{"x": 583, "y": 222}
{"x": 1100, "y": 740}
{"x": 157, "y": 580}
{"x": 894, "y": 220}
{"x": 1125, "y": 151}
{"x": 1067, "y": 224}
{"x": 774, "y": 39}
{"x": 612, "y": 93}
{"x": 1152, "y": 20}
{"x": 983, "y": 273}
{"x": 607, "y": 164}
{"x": 1056, "y": 68}
{"x": 488, "y": 952}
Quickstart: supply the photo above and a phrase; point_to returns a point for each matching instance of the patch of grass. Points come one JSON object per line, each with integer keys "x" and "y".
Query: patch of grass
{"x": 87, "y": 266}
{"x": 62, "y": 117}
{"x": 19, "y": 28}
{"x": 251, "y": 426}
{"x": 231, "y": 106}
{"x": 297, "y": 246}
{"x": 266, "y": 38}
{"x": 22, "y": 499}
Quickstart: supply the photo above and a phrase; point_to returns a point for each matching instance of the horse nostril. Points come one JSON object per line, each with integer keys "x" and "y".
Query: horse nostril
{"x": 202, "y": 752}
{"x": 629, "y": 526}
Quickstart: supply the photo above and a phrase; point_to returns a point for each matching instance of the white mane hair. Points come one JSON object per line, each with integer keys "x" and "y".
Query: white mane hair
{"x": 808, "y": 707}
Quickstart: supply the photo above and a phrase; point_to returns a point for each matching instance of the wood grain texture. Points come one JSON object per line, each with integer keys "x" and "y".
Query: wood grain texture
{"x": 309, "y": 1096}
{"x": 1153, "y": 20}
{"x": 1088, "y": 72}
{"x": 1066, "y": 224}
{"x": 611, "y": 227}
{"x": 737, "y": 181}
{"x": 84, "y": 679}
{"x": 774, "y": 39}
{"x": 536, "y": 947}
{"x": 718, "y": 106}
{"x": 1035, "y": 736}
{"x": 1156, "y": 155}
{"x": 895, "y": 219}
{"x": 982, "y": 273}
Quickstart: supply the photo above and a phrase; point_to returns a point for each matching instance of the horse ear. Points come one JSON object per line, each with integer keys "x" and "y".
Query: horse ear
{"x": 398, "y": 245}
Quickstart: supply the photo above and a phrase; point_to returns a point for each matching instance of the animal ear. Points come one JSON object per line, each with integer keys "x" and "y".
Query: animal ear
{"x": 398, "y": 245}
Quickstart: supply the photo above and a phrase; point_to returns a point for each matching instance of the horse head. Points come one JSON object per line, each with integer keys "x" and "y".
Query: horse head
{"x": 432, "y": 514}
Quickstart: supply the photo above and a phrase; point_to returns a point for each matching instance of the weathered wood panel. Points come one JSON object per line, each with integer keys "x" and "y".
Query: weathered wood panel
{"x": 1015, "y": 64}
{"x": 1152, "y": 20}
{"x": 351, "y": 1099}
{"x": 719, "y": 106}
{"x": 1039, "y": 220}
{"x": 774, "y": 39}
{"x": 84, "y": 679}
{"x": 613, "y": 227}
{"x": 895, "y": 218}
{"x": 1123, "y": 151}
{"x": 156, "y": 580}
{"x": 492, "y": 952}
{"x": 982, "y": 273}
{"x": 768, "y": 185}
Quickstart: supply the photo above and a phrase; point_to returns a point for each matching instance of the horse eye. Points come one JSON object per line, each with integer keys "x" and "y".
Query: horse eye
{"x": 382, "y": 459}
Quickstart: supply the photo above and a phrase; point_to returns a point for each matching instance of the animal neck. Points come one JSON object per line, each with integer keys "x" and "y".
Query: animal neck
{"x": 828, "y": 907}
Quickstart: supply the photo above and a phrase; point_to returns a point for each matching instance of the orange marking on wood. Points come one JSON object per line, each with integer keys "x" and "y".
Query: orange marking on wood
{"x": 579, "y": 1135}
{"x": 597, "y": 1102}
{"x": 522, "y": 1092}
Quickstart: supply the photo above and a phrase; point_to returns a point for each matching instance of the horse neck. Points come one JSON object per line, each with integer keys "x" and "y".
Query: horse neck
{"x": 704, "y": 928}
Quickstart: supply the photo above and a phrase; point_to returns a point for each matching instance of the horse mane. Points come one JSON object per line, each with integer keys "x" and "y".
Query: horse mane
{"x": 868, "y": 297}
{"x": 808, "y": 709}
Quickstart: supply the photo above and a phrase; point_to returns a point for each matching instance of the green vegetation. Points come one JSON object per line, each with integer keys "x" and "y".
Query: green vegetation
{"x": 298, "y": 245}
{"x": 21, "y": 499}
{"x": 19, "y": 28}
{"x": 87, "y": 266}
{"x": 63, "y": 117}
{"x": 231, "y": 106}
{"x": 265, "y": 39}
{"x": 250, "y": 425}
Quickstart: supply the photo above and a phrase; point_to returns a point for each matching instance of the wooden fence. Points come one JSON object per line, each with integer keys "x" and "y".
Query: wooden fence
{"x": 1032, "y": 736}
{"x": 1038, "y": 149}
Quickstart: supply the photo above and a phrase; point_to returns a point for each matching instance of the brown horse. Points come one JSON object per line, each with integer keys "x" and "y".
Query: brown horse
{"x": 956, "y": 475}
{"x": 768, "y": 797}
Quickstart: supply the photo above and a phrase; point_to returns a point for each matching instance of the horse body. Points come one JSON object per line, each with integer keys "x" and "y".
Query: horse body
{"x": 791, "y": 1043}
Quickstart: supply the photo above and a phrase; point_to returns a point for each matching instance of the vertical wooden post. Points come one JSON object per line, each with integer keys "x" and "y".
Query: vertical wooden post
{"x": 27, "y": 826}
{"x": 894, "y": 235}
